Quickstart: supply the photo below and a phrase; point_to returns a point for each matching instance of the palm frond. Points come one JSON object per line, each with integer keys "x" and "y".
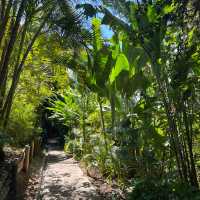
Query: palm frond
{"x": 68, "y": 23}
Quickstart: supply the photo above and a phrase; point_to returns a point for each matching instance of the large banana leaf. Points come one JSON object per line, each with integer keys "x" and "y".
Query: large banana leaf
{"x": 122, "y": 64}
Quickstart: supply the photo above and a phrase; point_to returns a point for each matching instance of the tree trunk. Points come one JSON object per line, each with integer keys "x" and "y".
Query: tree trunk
{"x": 112, "y": 103}
{"x": 16, "y": 76}
{"x": 103, "y": 123}
{"x": 192, "y": 173}
{"x": 2, "y": 154}
{"x": 12, "y": 41}
{"x": 4, "y": 18}
{"x": 5, "y": 59}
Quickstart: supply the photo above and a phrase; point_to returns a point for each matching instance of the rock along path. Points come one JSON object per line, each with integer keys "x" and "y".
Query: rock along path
{"x": 64, "y": 180}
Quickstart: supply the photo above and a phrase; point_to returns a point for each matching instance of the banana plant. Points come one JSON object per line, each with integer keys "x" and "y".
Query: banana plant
{"x": 100, "y": 63}
{"x": 150, "y": 26}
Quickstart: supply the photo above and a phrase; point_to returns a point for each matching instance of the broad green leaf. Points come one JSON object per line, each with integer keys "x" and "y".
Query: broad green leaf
{"x": 160, "y": 131}
{"x": 168, "y": 9}
{"x": 122, "y": 64}
{"x": 151, "y": 14}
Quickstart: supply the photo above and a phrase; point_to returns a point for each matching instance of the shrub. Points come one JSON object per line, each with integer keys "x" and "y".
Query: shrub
{"x": 156, "y": 189}
{"x": 21, "y": 126}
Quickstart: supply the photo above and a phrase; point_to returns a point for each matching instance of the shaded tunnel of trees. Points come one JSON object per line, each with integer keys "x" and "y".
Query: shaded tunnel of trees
{"x": 51, "y": 127}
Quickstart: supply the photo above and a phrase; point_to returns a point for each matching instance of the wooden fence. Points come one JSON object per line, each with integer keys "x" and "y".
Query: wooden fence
{"x": 13, "y": 174}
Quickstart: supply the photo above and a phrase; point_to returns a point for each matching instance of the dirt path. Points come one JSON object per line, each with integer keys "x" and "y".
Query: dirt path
{"x": 63, "y": 179}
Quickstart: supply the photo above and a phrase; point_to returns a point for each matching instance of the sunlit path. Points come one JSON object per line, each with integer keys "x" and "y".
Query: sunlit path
{"x": 63, "y": 179}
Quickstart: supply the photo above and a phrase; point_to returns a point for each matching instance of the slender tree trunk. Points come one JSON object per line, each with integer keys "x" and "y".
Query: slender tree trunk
{"x": 16, "y": 76}
{"x": 2, "y": 87}
{"x": 9, "y": 48}
{"x": 7, "y": 106}
{"x": 112, "y": 103}
{"x": 4, "y": 18}
{"x": 2, "y": 154}
{"x": 2, "y": 10}
{"x": 174, "y": 134}
{"x": 84, "y": 110}
{"x": 84, "y": 131}
{"x": 12, "y": 41}
{"x": 103, "y": 123}
{"x": 192, "y": 173}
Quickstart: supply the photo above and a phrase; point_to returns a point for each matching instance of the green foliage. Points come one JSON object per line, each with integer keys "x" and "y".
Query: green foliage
{"x": 22, "y": 119}
{"x": 150, "y": 189}
{"x": 134, "y": 76}
{"x": 89, "y": 10}
{"x": 159, "y": 30}
{"x": 73, "y": 147}
{"x": 122, "y": 64}
{"x": 67, "y": 110}
{"x": 133, "y": 99}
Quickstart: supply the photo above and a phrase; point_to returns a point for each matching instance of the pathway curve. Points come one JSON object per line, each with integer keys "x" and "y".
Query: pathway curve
{"x": 64, "y": 180}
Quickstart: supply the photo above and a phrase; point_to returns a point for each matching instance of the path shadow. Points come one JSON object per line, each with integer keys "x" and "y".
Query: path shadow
{"x": 55, "y": 188}
{"x": 56, "y": 158}
{"x": 56, "y": 191}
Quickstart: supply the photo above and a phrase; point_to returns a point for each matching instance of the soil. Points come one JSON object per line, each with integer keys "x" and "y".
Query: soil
{"x": 12, "y": 154}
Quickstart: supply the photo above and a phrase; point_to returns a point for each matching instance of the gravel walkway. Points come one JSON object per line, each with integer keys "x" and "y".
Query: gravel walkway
{"x": 64, "y": 180}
